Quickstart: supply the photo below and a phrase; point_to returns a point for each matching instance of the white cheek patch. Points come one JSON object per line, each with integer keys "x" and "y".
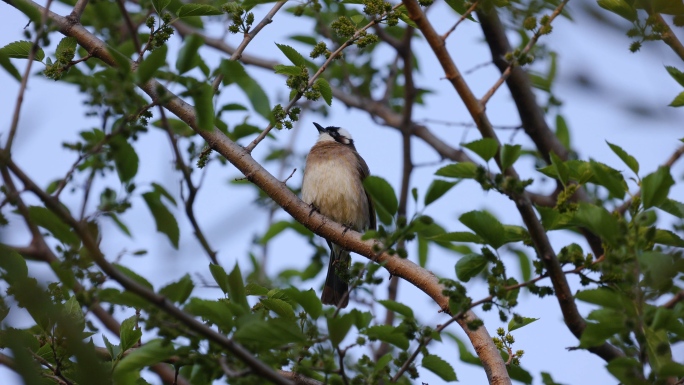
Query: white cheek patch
{"x": 325, "y": 138}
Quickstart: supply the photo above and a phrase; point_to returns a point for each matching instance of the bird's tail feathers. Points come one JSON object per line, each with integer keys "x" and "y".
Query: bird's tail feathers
{"x": 335, "y": 289}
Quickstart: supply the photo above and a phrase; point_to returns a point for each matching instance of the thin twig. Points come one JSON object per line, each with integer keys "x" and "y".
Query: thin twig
{"x": 248, "y": 38}
{"x": 318, "y": 73}
{"x": 533, "y": 40}
{"x": 132, "y": 30}
{"x": 669, "y": 36}
{"x": 460, "y": 20}
{"x": 24, "y": 80}
{"x": 78, "y": 9}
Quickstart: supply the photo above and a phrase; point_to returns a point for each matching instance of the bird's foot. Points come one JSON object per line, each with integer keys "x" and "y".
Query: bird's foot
{"x": 313, "y": 208}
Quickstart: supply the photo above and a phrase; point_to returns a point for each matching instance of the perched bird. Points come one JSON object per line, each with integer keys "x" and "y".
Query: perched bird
{"x": 333, "y": 185}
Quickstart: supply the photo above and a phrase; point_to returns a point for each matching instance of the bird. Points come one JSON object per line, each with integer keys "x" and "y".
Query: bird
{"x": 333, "y": 185}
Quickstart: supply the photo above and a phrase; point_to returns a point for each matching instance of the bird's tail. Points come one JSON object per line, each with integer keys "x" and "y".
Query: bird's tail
{"x": 335, "y": 289}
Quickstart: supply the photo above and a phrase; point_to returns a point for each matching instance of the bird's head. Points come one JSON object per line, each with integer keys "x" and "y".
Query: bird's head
{"x": 337, "y": 134}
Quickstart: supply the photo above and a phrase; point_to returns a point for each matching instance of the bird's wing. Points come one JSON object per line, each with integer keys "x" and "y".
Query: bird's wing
{"x": 364, "y": 172}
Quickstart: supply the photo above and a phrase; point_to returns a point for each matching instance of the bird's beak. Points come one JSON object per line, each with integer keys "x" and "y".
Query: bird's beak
{"x": 320, "y": 128}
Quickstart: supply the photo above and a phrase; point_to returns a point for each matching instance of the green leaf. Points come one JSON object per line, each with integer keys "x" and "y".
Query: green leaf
{"x": 295, "y": 57}
{"x": 236, "y": 287}
{"x": 203, "y": 96}
{"x": 357, "y": 19}
{"x": 8, "y": 66}
{"x": 423, "y": 248}
{"x": 609, "y": 178}
{"x": 134, "y": 276}
{"x": 129, "y": 333}
{"x": 397, "y": 307}
{"x": 469, "y": 266}
{"x": 308, "y": 300}
{"x": 309, "y": 40}
{"x": 279, "y": 307}
{"x": 178, "y": 291}
{"x": 177, "y": 126}
{"x": 619, "y": 7}
{"x": 655, "y": 187}
{"x": 457, "y": 236}
{"x": 485, "y": 148}
{"x": 562, "y": 131}
{"x": 389, "y": 334}
{"x": 678, "y": 101}
{"x": 152, "y": 352}
{"x": 338, "y": 328}
{"x": 48, "y": 220}
{"x": 597, "y": 220}
{"x": 324, "y": 88}
{"x": 676, "y": 74}
{"x": 187, "y": 55}
{"x": 509, "y": 154}
{"x": 270, "y": 333}
{"x": 160, "y": 5}
{"x": 659, "y": 269}
{"x": 216, "y": 312}
{"x": 673, "y": 207}
{"x": 624, "y": 369}
{"x": 66, "y": 47}
{"x": 525, "y": 265}
{"x": 154, "y": 61}
{"x": 287, "y": 70}
{"x": 188, "y": 10}
{"x": 465, "y": 170}
{"x": 460, "y": 7}
{"x": 603, "y": 297}
{"x": 29, "y": 9}
{"x": 165, "y": 221}
{"x": 438, "y": 366}
{"x": 383, "y": 195}
{"x": 625, "y": 157}
{"x": 437, "y": 188}
{"x": 234, "y": 72}
{"x": 125, "y": 158}
{"x": 21, "y": 50}
{"x": 486, "y": 226}
{"x": 513, "y": 324}
{"x": 561, "y": 169}
{"x": 220, "y": 277}
{"x": 596, "y": 334}
{"x": 666, "y": 237}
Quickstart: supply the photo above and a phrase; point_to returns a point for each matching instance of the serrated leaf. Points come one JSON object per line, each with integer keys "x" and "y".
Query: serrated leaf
{"x": 389, "y": 334}
{"x": 234, "y": 72}
{"x": 338, "y": 328}
{"x": 287, "y": 70}
{"x": 21, "y": 50}
{"x": 310, "y": 40}
{"x": 437, "y": 365}
{"x": 216, "y": 312}
{"x": 178, "y": 291}
{"x": 460, "y": 7}
{"x": 562, "y": 171}
{"x": 509, "y": 154}
{"x": 656, "y": 186}
{"x": 68, "y": 43}
{"x": 673, "y": 207}
{"x": 469, "y": 266}
{"x": 397, "y": 307}
{"x": 125, "y": 158}
{"x": 160, "y": 5}
{"x": 48, "y": 220}
{"x": 188, "y": 10}
{"x": 203, "y": 96}
{"x": 187, "y": 55}
{"x": 457, "y": 236}
{"x": 128, "y": 369}
{"x": 678, "y": 101}
{"x": 383, "y": 195}
{"x": 597, "y": 220}
{"x": 155, "y": 60}
{"x": 9, "y": 67}
{"x": 464, "y": 170}
{"x": 279, "y": 307}
{"x": 325, "y": 90}
{"x": 220, "y": 277}
{"x": 486, "y": 226}
{"x": 437, "y": 188}
{"x": 165, "y": 221}
{"x": 676, "y": 74}
{"x": 270, "y": 333}
{"x": 629, "y": 160}
{"x": 129, "y": 333}
{"x": 485, "y": 148}
{"x": 619, "y": 7}
{"x": 667, "y": 237}
{"x": 308, "y": 300}
{"x": 562, "y": 131}
{"x": 513, "y": 324}
{"x": 236, "y": 287}
{"x": 295, "y": 57}
{"x": 609, "y": 178}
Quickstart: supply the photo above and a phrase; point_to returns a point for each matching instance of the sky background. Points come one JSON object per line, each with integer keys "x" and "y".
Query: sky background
{"x": 624, "y": 100}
